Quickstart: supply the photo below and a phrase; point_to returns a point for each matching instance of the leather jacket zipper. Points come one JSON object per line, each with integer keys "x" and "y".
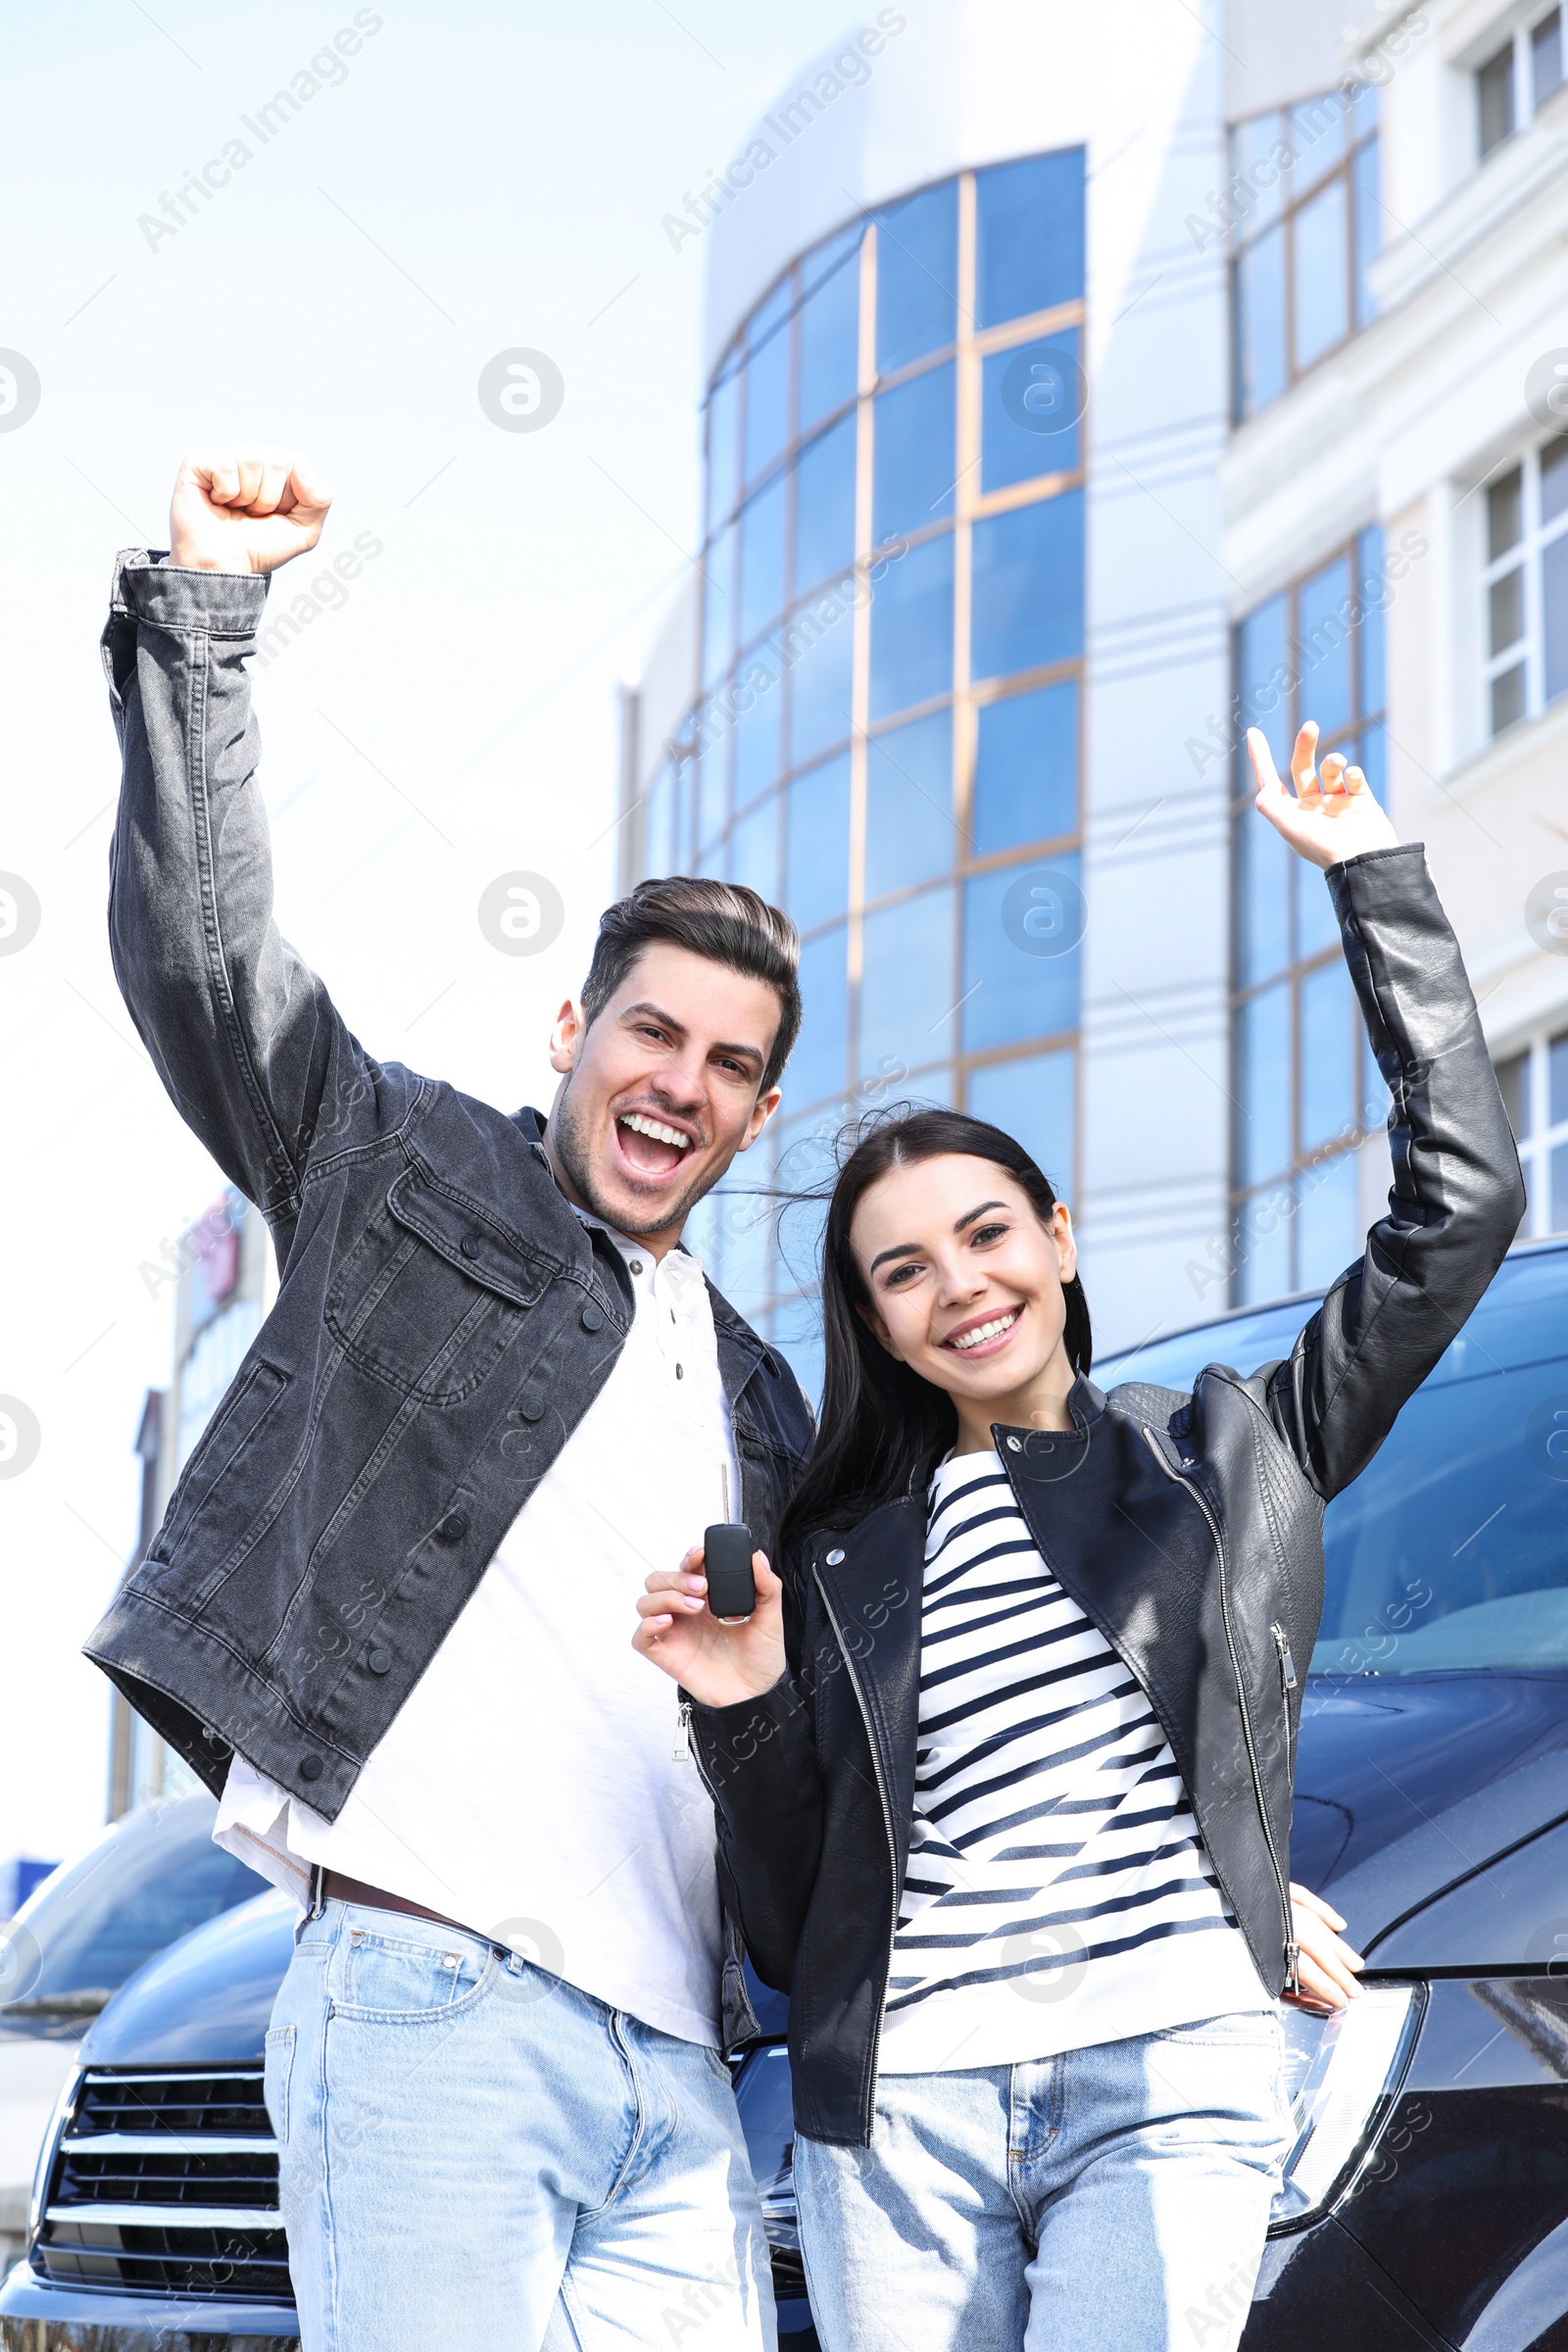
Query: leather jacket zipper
{"x": 1293, "y": 1956}
{"x": 1281, "y": 1651}
{"x": 882, "y": 1799}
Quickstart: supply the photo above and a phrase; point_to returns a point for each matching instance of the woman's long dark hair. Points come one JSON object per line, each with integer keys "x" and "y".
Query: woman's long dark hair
{"x": 882, "y": 1427}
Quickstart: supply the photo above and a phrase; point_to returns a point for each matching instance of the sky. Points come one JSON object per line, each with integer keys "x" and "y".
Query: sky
{"x": 475, "y": 180}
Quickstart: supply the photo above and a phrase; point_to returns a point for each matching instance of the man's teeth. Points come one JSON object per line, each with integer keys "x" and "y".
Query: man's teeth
{"x": 656, "y": 1129}
{"x": 987, "y": 1331}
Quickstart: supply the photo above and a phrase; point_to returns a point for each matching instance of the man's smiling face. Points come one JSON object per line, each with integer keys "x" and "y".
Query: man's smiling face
{"x": 660, "y": 1091}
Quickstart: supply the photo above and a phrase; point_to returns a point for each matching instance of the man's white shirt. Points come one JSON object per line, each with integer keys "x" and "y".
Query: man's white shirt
{"x": 529, "y": 1788}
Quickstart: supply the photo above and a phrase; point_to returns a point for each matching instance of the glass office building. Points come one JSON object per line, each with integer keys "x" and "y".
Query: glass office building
{"x": 887, "y": 736}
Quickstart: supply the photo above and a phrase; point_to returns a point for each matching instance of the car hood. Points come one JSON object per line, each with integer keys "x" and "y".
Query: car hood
{"x": 205, "y": 2001}
{"x": 1406, "y": 1784}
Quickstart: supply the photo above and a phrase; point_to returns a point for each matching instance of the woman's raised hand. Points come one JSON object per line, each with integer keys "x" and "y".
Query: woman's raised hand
{"x": 1331, "y": 814}
{"x": 718, "y": 1664}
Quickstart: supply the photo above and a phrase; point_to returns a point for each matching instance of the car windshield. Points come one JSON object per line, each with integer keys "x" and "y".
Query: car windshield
{"x": 151, "y": 1878}
{"x": 1450, "y": 1550}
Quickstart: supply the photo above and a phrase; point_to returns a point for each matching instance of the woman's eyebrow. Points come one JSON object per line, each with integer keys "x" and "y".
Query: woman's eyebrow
{"x": 913, "y": 1249}
{"x": 977, "y": 1212}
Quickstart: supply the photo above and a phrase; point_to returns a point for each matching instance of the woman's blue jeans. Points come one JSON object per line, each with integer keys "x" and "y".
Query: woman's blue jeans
{"x": 1112, "y": 2199}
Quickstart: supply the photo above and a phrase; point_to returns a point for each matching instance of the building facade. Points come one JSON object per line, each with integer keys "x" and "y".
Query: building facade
{"x": 1083, "y": 388}
{"x": 222, "y": 1279}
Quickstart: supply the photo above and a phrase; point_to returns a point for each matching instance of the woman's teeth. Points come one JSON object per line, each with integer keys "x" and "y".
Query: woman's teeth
{"x": 656, "y": 1130}
{"x": 986, "y": 1331}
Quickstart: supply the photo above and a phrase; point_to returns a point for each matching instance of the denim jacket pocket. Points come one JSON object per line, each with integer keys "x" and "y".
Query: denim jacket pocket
{"x": 432, "y": 1296}
{"x": 215, "y": 1504}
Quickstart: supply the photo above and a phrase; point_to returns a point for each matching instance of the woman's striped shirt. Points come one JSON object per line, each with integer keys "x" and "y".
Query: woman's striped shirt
{"x": 1057, "y": 1893}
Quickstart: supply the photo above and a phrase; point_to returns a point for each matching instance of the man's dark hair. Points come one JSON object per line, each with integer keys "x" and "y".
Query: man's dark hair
{"x": 724, "y": 921}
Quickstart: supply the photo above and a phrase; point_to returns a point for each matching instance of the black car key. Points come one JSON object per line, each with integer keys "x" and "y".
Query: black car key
{"x": 727, "y": 1566}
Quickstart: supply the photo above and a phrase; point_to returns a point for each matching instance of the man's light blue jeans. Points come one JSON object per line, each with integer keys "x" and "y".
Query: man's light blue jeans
{"x": 472, "y": 2152}
{"x": 1113, "y": 2199}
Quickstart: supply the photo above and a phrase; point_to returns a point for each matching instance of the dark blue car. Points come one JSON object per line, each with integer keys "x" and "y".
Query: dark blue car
{"x": 1425, "y": 2202}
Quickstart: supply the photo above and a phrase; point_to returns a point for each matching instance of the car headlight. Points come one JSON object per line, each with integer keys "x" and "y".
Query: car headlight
{"x": 64, "y": 2107}
{"x": 1341, "y": 2076}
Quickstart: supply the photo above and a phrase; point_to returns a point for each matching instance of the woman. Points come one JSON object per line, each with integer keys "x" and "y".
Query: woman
{"x": 1003, "y": 1764}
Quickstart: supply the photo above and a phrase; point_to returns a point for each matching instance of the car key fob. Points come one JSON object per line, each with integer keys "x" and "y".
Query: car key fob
{"x": 727, "y": 1564}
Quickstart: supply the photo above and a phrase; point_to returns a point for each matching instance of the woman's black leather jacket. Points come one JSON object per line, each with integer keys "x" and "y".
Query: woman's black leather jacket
{"x": 1189, "y": 1528}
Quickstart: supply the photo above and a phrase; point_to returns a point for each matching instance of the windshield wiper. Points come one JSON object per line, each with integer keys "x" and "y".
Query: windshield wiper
{"x": 59, "y": 2005}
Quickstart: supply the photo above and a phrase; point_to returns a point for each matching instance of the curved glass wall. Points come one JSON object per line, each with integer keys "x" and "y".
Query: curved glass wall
{"x": 886, "y": 735}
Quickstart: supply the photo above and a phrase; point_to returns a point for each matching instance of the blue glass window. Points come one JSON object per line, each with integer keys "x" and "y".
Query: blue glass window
{"x": 657, "y": 810}
{"x": 909, "y": 811}
{"x": 906, "y": 991}
{"x": 767, "y": 382}
{"x": 713, "y": 787}
{"x": 1328, "y": 1056}
{"x": 747, "y": 1216}
{"x": 1036, "y": 1101}
{"x": 757, "y": 728}
{"x": 1028, "y": 587}
{"x": 1261, "y": 369}
{"x": 1263, "y": 1246}
{"x": 1029, "y": 236}
{"x": 816, "y": 1066}
{"x": 1322, "y": 306}
{"x": 763, "y": 559}
{"x": 816, "y": 873}
{"x": 724, "y": 447}
{"x": 824, "y": 505}
{"x": 754, "y": 849}
{"x": 1263, "y": 679}
{"x": 912, "y": 628}
{"x": 1263, "y": 1051}
{"x": 916, "y": 277}
{"x": 1328, "y": 1219}
{"x": 830, "y": 336}
{"x": 1554, "y": 617}
{"x": 1008, "y": 992}
{"x": 1315, "y": 926}
{"x": 914, "y": 441}
{"x": 1262, "y": 898}
{"x": 1030, "y": 400}
{"x": 1323, "y": 622}
{"x": 1026, "y": 770}
{"x": 1373, "y": 594}
{"x": 718, "y": 605}
{"x": 818, "y": 644}
{"x": 1368, "y": 229}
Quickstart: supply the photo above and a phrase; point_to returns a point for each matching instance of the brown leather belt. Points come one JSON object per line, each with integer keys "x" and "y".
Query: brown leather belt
{"x": 337, "y": 1887}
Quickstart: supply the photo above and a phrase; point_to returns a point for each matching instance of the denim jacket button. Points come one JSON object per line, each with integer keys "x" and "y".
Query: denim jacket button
{"x": 834, "y": 1557}
{"x": 469, "y": 1245}
{"x": 310, "y": 1768}
{"x": 530, "y": 1409}
{"x": 379, "y": 1661}
{"x": 452, "y": 1528}
{"x": 591, "y": 1318}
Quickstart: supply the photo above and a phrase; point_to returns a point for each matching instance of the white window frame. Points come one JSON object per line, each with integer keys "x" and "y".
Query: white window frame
{"x": 1535, "y": 537}
{"x": 1524, "y": 79}
{"x": 1534, "y": 1152}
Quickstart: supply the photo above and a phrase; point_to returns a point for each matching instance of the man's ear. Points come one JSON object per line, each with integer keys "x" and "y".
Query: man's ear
{"x": 763, "y": 1110}
{"x": 566, "y": 1037}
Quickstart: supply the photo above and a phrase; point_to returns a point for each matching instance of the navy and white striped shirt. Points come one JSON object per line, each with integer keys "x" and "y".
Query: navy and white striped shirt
{"x": 1057, "y": 1894}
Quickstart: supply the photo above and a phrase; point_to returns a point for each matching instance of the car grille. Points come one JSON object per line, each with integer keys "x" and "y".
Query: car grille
{"x": 167, "y": 2182}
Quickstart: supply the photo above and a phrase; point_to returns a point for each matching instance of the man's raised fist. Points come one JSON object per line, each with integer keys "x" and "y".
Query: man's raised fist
{"x": 244, "y": 510}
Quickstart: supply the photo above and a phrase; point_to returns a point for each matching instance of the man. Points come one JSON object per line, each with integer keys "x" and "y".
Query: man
{"x": 387, "y": 1615}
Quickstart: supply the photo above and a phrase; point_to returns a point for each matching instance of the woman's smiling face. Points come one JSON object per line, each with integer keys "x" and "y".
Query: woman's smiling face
{"x": 964, "y": 1282}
